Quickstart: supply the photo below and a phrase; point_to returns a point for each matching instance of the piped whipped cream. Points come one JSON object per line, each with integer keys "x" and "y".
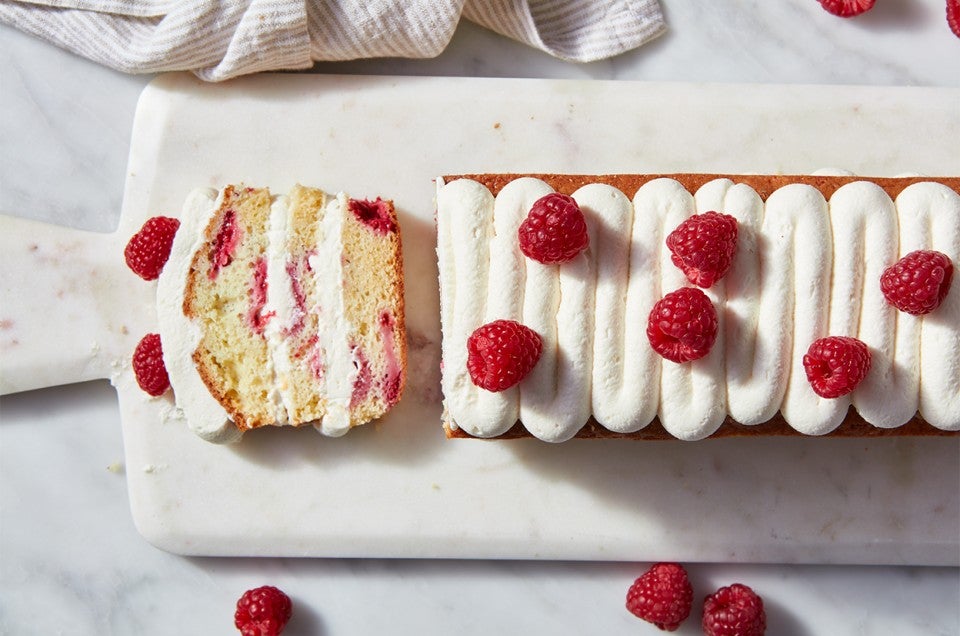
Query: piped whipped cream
{"x": 805, "y": 268}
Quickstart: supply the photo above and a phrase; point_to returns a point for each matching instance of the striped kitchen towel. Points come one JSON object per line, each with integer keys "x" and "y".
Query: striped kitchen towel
{"x": 220, "y": 40}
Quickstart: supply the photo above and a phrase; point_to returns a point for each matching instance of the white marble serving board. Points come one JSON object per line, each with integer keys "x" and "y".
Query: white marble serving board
{"x": 399, "y": 488}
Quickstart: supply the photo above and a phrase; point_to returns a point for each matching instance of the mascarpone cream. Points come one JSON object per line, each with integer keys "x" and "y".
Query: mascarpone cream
{"x": 805, "y": 268}
{"x": 333, "y": 328}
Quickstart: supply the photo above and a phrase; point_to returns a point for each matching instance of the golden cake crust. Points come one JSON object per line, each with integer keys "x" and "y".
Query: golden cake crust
{"x": 853, "y": 426}
{"x": 762, "y": 184}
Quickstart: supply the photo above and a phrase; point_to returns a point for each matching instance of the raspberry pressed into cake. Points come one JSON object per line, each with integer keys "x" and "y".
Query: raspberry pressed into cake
{"x": 287, "y": 309}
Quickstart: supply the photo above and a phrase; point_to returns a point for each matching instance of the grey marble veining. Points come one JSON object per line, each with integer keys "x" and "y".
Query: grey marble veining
{"x": 71, "y": 561}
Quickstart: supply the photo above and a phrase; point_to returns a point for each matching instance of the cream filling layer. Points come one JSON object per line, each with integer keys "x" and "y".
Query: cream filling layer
{"x": 333, "y": 330}
{"x": 281, "y": 309}
{"x": 805, "y": 268}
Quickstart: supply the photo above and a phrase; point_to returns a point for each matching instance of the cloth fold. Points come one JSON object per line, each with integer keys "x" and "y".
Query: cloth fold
{"x": 220, "y": 40}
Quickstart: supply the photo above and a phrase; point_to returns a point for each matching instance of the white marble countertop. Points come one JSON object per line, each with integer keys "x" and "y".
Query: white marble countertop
{"x": 71, "y": 561}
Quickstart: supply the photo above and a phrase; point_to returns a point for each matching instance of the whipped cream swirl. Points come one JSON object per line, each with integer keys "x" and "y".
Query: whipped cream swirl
{"x": 805, "y": 268}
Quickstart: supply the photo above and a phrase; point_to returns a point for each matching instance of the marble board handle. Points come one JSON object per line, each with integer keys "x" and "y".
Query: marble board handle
{"x": 63, "y": 293}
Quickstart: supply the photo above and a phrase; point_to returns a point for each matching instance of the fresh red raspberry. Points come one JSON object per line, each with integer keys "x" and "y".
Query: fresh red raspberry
{"x": 148, "y": 250}
{"x": 682, "y": 325}
{"x": 148, "y": 365}
{"x": 662, "y": 596}
{"x": 263, "y": 611}
{"x": 376, "y": 215}
{"x": 953, "y": 16}
{"x": 225, "y": 242}
{"x": 703, "y": 247}
{"x": 554, "y": 230}
{"x": 734, "y": 611}
{"x": 836, "y": 365}
{"x": 847, "y": 8}
{"x": 501, "y": 353}
{"x": 918, "y": 282}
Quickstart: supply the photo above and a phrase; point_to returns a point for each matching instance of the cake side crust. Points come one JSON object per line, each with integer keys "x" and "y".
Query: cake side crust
{"x": 762, "y": 184}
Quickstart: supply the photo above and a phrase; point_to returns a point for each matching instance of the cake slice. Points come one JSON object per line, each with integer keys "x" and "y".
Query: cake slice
{"x": 289, "y": 309}
{"x": 811, "y": 251}
{"x": 226, "y": 295}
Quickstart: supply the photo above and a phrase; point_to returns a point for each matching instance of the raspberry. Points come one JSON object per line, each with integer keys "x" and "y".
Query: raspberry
{"x": 257, "y": 318}
{"x": 682, "y": 326}
{"x": 501, "y": 353}
{"x": 953, "y": 16}
{"x": 847, "y": 8}
{"x": 836, "y": 365}
{"x": 662, "y": 596}
{"x": 148, "y": 365}
{"x": 149, "y": 248}
{"x": 224, "y": 243}
{"x": 918, "y": 282}
{"x": 734, "y": 611}
{"x": 554, "y": 230}
{"x": 374, "y": 214}
{"x": 362, "y": 382}
{"x": 703, "y": 247}
{"x": 263, "y": 611}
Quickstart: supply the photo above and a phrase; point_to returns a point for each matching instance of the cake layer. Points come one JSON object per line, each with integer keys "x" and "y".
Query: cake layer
{"x": 374, "y": 283}
{"x": 226, "y": 293}
{"x": 260, "y": 294}
{"x": 810, "y": 254}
